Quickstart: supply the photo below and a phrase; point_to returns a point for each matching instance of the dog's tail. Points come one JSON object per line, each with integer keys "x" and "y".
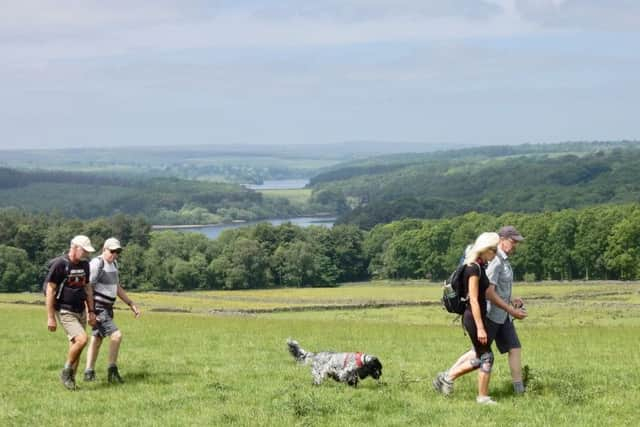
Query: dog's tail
{"x": 300, "y": 354}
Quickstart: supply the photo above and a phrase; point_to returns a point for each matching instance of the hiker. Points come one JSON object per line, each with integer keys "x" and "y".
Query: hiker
{"x": 106, "y": 286}
{"x": 68, "y": 300}
{"x": 475, "y": 322}
{"x": 500, "y": 274}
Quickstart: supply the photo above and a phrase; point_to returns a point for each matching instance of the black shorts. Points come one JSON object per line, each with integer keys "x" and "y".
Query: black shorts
{"x": 470, "y": 326}
{"x": 505, "y": 334}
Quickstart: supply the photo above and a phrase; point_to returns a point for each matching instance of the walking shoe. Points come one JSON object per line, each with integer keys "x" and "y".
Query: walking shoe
{"x": 66, "y": 377}
{"x": 89, "y": 375}
{"x": 442, "y": 385}
{"x": 485, "y": 400}
{"x": 113, "y": 376}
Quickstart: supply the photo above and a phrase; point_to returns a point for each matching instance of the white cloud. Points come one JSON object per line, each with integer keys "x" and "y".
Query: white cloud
{"x": 32, "y": 31}
{"x": 604, "y": 15}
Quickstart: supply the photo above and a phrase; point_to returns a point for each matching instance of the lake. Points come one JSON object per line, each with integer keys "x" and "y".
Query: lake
{"x": 213, "y": 231}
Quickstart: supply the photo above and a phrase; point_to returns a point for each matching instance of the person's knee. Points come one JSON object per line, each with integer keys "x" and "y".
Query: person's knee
{"x": 486, "y": 362}
{"x": 80, "y": 340}
{"x": 116, "y": 336}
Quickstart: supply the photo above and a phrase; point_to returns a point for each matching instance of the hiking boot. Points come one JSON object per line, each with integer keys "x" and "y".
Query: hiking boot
{"x": 89, "y": 375}
{"x": 485, "y": 400}
{"x": 67, "y": 379}
{"x": 113, "y": 376}
{"x": 442, "y": 385}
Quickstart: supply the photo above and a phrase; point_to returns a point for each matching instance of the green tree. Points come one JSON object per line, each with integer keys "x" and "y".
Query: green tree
{"x": 242, "y": 265}
{"x": 17, "y": 273}
{"x": 623, "y": 253}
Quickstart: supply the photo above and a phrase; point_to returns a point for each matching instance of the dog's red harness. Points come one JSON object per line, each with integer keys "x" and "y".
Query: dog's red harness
{"x": 358, "y": 360}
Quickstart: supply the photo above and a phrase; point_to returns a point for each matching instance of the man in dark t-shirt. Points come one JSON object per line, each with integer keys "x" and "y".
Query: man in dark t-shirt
{"x": 68, "y": 300}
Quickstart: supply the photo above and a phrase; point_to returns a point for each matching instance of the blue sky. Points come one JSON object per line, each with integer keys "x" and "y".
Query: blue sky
{"x": 164, "y": 72}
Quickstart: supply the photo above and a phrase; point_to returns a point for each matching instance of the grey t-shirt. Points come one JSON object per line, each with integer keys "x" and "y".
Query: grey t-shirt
{"x": 500, "y": 274}
{"x": 105, "y": 281}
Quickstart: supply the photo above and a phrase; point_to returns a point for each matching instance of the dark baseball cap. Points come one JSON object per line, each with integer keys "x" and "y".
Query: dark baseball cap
{"x": 510, "y": 232}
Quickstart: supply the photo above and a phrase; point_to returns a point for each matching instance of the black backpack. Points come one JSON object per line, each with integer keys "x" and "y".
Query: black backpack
{"x": 50, "y": 263}
{"x": 455, "y": 294}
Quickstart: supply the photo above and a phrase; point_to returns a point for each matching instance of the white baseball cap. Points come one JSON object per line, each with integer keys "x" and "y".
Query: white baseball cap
{"x": 83, "y": 242}
{"x": 112, "y": 244}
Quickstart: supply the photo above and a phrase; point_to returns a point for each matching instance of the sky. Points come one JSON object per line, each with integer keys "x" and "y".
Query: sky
{"x": 84, "y": 73}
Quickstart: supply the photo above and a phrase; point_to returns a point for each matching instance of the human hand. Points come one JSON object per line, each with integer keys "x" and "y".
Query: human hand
{"x": 135, "y": 310}
{"x": 517, "y": 302}
{"x": 482, "y": 336}
{"x": 51, "y": 324}
{"x": 519, "y": 313}
{"x": 92, "y": 319}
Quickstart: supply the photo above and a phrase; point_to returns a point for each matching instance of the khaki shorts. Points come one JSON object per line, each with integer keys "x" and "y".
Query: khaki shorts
{"x": 73, "y": 323}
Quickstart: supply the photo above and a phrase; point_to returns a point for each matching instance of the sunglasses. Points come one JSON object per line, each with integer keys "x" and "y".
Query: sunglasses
{"x": 115, "y": 251}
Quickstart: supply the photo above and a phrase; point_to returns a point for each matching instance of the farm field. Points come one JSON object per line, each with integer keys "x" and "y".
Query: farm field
{"x": 224, "y": 362}
{"x": 297, "y": 196}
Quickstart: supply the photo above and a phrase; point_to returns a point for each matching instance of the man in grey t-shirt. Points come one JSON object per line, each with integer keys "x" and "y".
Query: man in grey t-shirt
{"x": 106, "y": 286}
{"x": 500, "y": 274}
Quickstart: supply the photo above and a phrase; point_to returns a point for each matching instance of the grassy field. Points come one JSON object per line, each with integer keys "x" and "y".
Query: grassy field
{"x": 296, "y": 196}
{"x": 580, "y": 343}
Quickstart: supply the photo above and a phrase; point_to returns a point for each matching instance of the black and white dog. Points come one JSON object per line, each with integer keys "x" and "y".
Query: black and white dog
{"x": 342, "y": 367}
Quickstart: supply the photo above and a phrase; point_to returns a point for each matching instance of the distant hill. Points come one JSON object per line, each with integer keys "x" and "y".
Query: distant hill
{"x": 239, "y": 163}
{"x": 496, "y": 179}
{"x": 159, "y": 200}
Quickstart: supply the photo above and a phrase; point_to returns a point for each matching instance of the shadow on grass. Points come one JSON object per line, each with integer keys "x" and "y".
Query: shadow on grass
{"x": 140, "y": 377}
{"x": 567, "y": 386}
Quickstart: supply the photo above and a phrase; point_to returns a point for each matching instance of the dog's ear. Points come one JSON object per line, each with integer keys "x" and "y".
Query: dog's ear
{"x": 371, "y": 360}
{"x": 376, "y": 362}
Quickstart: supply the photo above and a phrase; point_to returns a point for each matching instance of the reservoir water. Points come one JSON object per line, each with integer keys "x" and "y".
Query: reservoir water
{"x": 213, "y": 231}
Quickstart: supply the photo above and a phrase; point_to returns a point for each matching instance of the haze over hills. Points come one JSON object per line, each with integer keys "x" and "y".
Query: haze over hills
{"x": 341, "y": 151}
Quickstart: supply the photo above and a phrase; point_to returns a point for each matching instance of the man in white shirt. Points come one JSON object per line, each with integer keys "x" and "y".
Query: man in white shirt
{"x": 106, "y": 287}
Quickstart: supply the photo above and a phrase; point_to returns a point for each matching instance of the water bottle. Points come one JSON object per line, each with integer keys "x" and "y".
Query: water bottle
{"x": 449, "y": 291}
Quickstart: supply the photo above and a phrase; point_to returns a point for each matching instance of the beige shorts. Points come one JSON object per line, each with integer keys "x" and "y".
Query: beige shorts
{"x": 73, "y": 323}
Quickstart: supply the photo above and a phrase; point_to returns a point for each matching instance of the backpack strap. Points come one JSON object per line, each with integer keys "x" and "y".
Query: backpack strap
{"x": 67, "y": 270}
{"x": 100, "y": 267}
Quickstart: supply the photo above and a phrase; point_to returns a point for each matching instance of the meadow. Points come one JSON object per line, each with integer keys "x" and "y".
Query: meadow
{"x": 221, "y": 359}
{"x": 297, "y": 197}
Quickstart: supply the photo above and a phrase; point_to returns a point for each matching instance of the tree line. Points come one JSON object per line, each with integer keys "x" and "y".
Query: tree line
{"x": 170, "y": 201}
{"x": 434, "y": 187}
{"x": 598, "y": 243}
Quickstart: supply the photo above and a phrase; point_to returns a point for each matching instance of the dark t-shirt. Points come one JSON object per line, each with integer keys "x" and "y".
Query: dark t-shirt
{"x": 73, "y": 292}
{"x": 475, "y": 270}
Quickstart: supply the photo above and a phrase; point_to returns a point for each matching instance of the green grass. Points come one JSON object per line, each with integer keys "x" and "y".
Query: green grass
{"x": 580, "y": 343}
{"x": 296, "y": 196}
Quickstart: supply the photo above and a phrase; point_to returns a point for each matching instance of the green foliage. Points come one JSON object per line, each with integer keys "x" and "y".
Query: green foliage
{"x": 482, "y": 179}
{"x": 594, "y": 243}
{"x": 159, "y": 200}
{"x": 17, "y": 274}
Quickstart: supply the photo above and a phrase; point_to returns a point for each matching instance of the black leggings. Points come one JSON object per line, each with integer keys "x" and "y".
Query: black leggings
{"x": 470, "y": 327}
